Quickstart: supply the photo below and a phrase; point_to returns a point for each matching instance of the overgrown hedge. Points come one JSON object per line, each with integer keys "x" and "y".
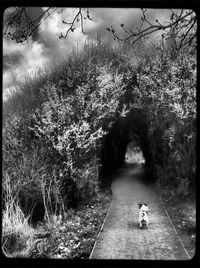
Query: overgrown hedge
{"x": 53, "y": 127}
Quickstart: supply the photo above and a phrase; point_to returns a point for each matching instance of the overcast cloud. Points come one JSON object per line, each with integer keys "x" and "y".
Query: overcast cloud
{"x": 20, "y": 59}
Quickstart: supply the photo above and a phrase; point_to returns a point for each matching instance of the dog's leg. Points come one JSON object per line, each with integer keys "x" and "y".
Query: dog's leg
{"x": 147, "y": 222}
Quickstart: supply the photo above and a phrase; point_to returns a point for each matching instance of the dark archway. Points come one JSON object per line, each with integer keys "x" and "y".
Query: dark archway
{"x": 132, "y": 127}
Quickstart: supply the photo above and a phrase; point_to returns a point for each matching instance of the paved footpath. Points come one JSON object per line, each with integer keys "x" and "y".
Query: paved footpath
{"x": 121, "y": 237}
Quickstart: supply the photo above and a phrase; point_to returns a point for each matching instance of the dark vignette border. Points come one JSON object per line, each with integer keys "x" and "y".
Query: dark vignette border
{"x": 50, "y": 263}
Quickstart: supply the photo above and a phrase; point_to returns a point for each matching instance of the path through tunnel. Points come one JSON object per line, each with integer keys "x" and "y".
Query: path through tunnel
{"x": 132, "y": 129}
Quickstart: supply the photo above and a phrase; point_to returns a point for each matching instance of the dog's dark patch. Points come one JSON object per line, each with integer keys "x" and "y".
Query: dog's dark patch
{"x": 139, "y": 205}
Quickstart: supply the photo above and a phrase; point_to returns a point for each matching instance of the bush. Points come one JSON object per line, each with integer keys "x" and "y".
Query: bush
{"x": 17, "y": 234}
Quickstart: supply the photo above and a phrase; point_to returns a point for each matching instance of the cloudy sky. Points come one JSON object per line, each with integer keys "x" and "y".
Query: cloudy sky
{"x": 20, "y": 59}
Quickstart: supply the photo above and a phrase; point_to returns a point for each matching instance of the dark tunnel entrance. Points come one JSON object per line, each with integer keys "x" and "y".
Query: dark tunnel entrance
{"x": 128, "y": 130}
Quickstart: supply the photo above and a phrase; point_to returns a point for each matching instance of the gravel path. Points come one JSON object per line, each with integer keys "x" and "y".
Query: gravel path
{"x": 121, "y": 238}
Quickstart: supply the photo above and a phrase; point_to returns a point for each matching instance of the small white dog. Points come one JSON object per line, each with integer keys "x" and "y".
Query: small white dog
{"x": 143, "y": 215}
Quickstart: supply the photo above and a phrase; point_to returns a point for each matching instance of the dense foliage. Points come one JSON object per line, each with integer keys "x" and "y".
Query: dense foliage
{"x": 169, "y": 95}
{"x": 53, "y": 127}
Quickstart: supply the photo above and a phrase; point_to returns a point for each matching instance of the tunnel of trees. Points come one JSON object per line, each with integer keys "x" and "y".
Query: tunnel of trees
{"x": 67, "y": 130}
{"x": 132, "y": 127}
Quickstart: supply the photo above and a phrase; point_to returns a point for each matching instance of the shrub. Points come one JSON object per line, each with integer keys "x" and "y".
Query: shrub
{"x": 17, "y": 234}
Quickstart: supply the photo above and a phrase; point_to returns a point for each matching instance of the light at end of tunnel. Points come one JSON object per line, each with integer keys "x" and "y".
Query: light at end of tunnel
{"x": 134, "y": 155}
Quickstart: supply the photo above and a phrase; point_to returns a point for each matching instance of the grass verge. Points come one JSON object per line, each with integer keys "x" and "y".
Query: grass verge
{"x": 182, "y": 211}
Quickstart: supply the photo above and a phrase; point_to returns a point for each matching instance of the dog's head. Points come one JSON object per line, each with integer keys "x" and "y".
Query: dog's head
{"x": 143, "y": 207}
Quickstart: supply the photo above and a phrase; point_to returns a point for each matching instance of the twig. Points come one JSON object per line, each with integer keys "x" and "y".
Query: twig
{"x": 152, "y": 27}
{"x": 78, "y": 17}
{"x": 16, "y": 19}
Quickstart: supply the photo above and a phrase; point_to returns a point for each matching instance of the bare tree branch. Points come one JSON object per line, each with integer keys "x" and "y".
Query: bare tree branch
{"x": 79, "y": 18}
{"x": 18, "y": 24}
{"x": 182, "y": 26}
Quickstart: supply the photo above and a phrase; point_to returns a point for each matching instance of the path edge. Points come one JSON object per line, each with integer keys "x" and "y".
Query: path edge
{"x": 180, "y": 241}
{"x": 100, "y": 231}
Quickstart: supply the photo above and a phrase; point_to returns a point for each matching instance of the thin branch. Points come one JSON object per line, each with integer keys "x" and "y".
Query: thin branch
{"x": 190, "y": 40}
{"x": 82, "y": 23}
{"x": 78, "y": 17}
{"x": 151, "y": 28}
{"x": 181, "y": 13}
{"x": 186, "y": 34}
{"x": 14, "y": 21}
{"x": 54, "y": 9}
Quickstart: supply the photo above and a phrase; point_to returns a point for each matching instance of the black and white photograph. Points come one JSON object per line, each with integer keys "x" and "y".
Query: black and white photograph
{"x": 99, "y": 113}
